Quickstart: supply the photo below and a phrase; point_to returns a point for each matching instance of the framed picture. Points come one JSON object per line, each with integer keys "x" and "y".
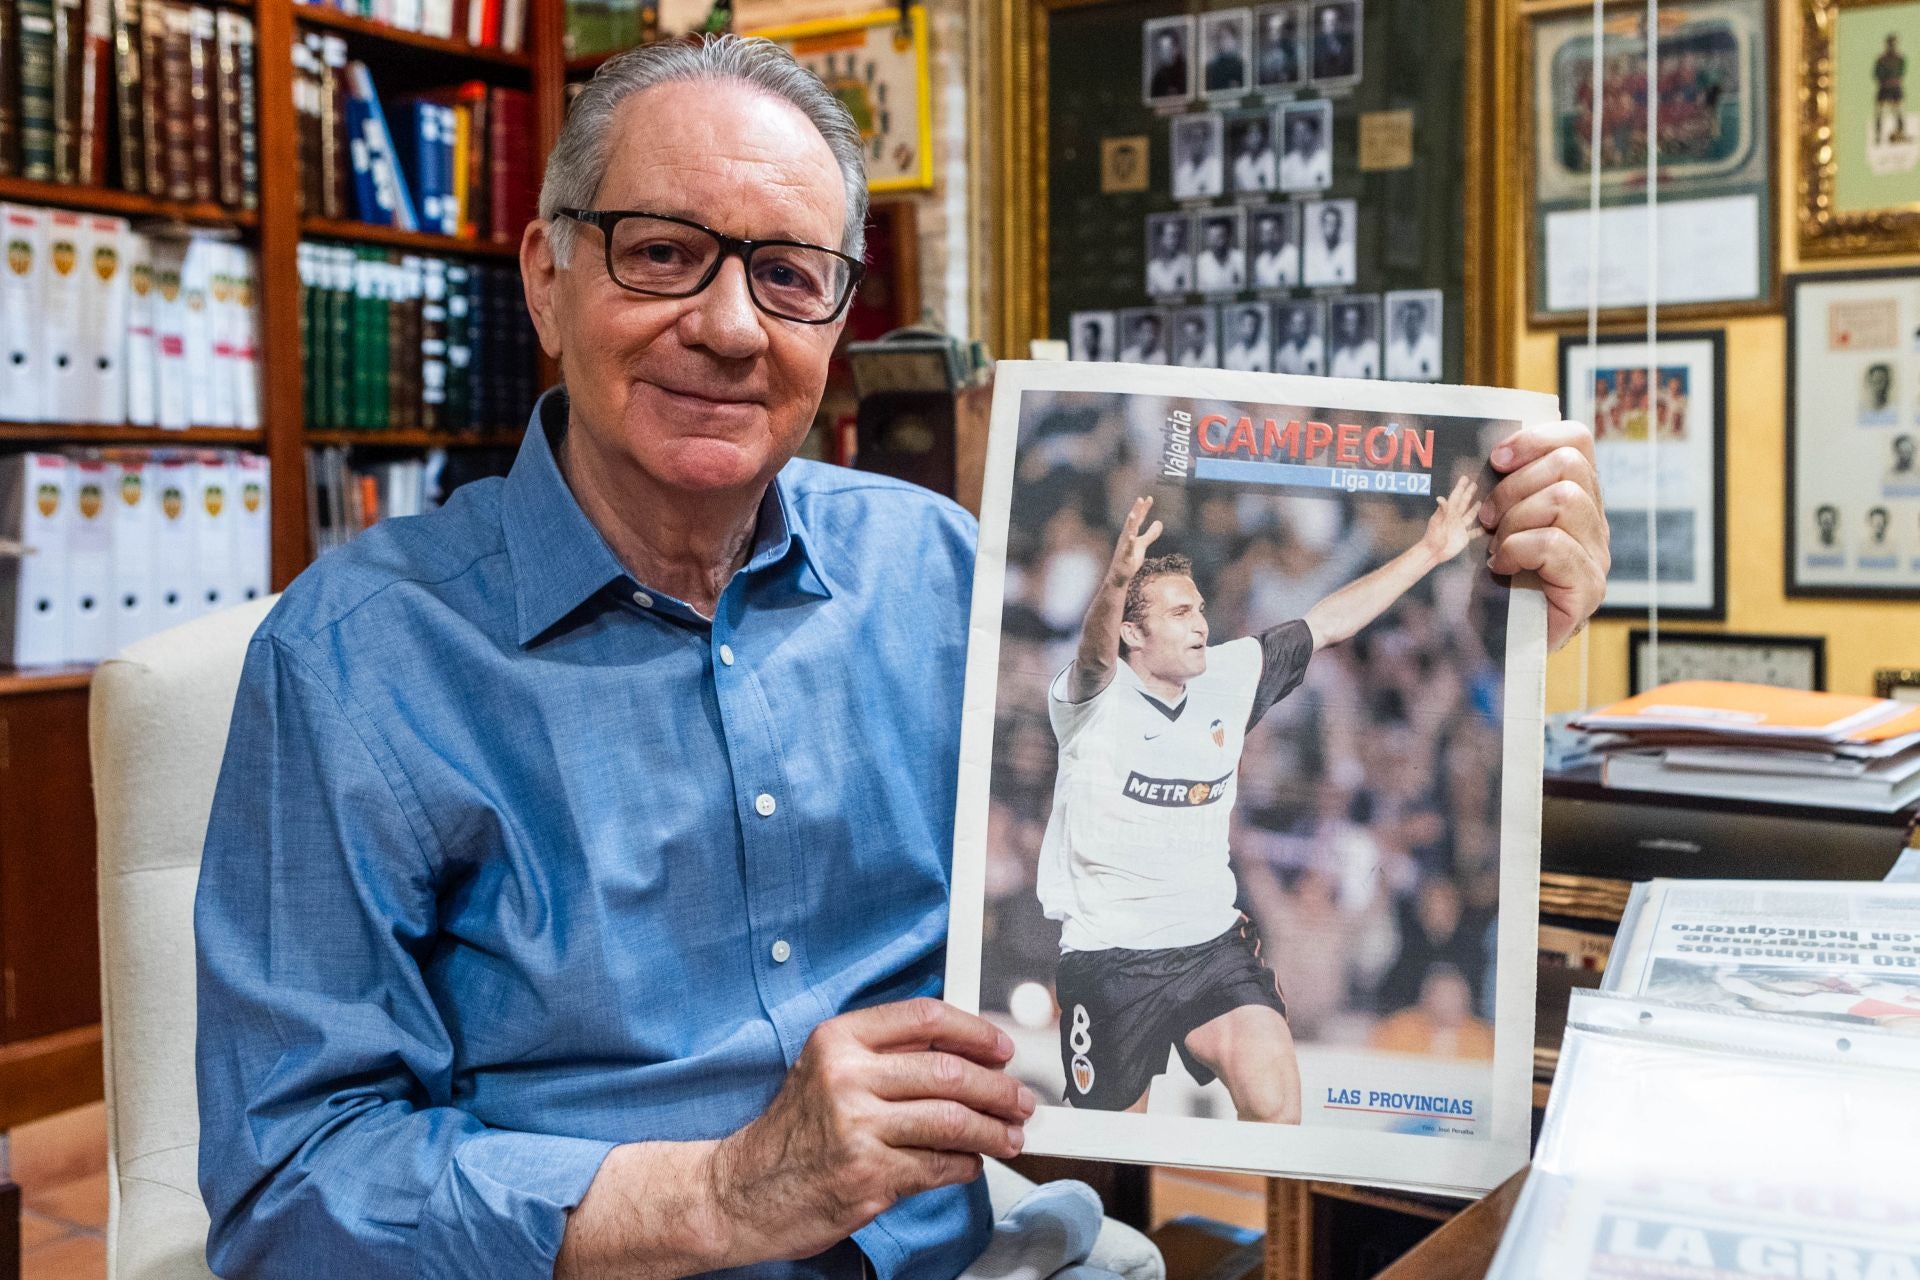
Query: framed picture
{"x": 1166, "y": 61}
{"x": 1853, "y": 435}
{"x": 1859, "y": 129}
{"x": 1660, "y": 445}
{"x": 1715, "y": 227}
{"x": 1224, "y": 37}
{"x": 876, "y": 64}
{"x": 1786, "y": 662}
{"x": 1899, "y": 683}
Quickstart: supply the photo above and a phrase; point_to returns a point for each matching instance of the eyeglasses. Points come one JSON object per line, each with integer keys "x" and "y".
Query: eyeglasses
{"x": 666, "y": 257}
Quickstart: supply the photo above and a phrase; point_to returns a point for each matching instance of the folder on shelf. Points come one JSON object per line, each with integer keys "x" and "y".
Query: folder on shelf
{"x": 103, "y": 320}
{"x": 169, "y": 333}
{"x": 143, "y": 407}
{"x": 136, "y": 519}
{"x": 252, "y": 527}
{"x": 245, "y": 338}
{"x": 35, "y": 504}
{"x": 208, "y": 395}
{"x": 211, "y": 521}
{"x": 170, "y": 593}
{"x": 61, "y": 307}
{"x": 89, "y": 562}
{"x": 22, "y": 290}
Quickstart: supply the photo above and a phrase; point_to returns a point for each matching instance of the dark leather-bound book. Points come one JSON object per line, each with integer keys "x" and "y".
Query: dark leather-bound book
{"x": 336, "y": 145}
{"x": 433, "y": 344}
{"x": 459, "y": 409}
{"x": 9, "y": 88}
{"x": 128, "y": 87}
{"x": 203, "y": 76}
{"x": 176, "y": 75}
{"x": 36, "y": 89}
{"x": 69, "y": 50}
{"x": 227, "y": 102}
{"x": 96, "y": 97}
{"x": 153, "y": 94}
{"x": 249, "y": 112}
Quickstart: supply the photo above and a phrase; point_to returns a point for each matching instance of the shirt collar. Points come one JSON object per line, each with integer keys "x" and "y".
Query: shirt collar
{"x": 559, "y": 558}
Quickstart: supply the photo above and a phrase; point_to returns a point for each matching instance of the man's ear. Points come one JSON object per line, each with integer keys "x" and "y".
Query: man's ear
{"x": 1132, "y": 635}
{"x": 540, "y": 275}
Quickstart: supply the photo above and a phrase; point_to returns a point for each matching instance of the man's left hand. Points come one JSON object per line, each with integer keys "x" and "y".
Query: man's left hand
{"x": 1547, "y": 520}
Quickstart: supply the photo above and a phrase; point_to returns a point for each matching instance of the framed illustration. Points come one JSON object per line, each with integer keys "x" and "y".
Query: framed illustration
{"x": 1859, "y": 130}
{"x": 1665, "y": 498}
{"x": 1786, "y": 662}
{"x": 876, "y": 64}
{"x": 1715, "y": 222}
{"x": 1899, "y": 683}
{"x": 1853, "y": 435}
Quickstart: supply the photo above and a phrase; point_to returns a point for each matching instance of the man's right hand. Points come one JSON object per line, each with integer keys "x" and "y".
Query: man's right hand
{"x": 882, "y": 1104}
{"x": 1130, "y": 552}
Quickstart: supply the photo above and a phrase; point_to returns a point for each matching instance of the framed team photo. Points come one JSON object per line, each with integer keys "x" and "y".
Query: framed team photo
{"x": 1279, "y": 46}
{"x": 1196, "y": 343}
{"x": 1198, "y": 170}
{"x": 1306, "y": 145}
{"x": 1247, "y": 840}
{"x": 1090, "y": 336}
{"x": 1414, "y": 317}
{"x": 1166, "y": 61}
{"x": 1169, "y": 254}
{"x": 1665, "y": 497}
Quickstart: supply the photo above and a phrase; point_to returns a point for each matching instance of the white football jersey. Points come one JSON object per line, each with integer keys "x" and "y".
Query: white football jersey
{"x": 1135, "y": 853}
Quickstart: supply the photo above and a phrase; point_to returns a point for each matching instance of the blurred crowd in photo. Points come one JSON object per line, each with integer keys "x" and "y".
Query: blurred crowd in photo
{"x": 1365, "y": 834}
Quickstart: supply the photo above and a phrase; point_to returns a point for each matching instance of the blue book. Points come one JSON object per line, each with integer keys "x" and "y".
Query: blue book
{"x": 393, "y": 205}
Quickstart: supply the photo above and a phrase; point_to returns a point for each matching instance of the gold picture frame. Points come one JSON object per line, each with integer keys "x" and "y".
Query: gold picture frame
{"x": 1826, "y": 231}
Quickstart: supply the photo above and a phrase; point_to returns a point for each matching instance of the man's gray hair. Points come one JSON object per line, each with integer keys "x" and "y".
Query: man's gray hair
{"x": 579, "y": 159}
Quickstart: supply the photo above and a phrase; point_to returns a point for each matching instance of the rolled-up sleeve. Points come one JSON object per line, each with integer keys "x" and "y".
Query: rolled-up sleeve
{"x": 329, "y": 1145}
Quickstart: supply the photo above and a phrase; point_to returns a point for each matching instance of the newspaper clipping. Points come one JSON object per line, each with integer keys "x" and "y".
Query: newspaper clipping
{"x": 1846, "y": 952}
{"x": 1250, "y": 767}
{"x": 1684, "y": 1144}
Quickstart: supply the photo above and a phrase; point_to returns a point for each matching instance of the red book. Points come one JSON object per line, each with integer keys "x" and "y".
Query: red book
{"x": 512, "y": 197}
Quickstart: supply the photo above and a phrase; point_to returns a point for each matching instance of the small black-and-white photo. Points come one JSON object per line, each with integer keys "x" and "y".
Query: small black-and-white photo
{"x": 1878, "y": 547}
{"x": 1879, "y": 396}
{"x": 1166, "y": 73}
{"x": 1090, "y": 335}
{"x": 1195, "y": 345}
{"x": 1250, "y": 157}
{"x": 1223, "y": 51}
{"x": 1246, "y": 337}
{"x": 1275, "y": 236}
{"x": 1328, "y": 255}
{"x": 1355, "y": 345}
{"x": 1143, "y": 336}
{"x": 1279, "y": 50}
{"x": 1413, "y": 335}
{"x": 1197, "y": 171}
{"x": 1169, "y": 254}
{"x": 1220, "y": 266}
{"x": 1300, "y": 337}
{"x": 1306, "y": 145}
{"x": 1336, "y": 42}
{"x": 1903, "y": 467}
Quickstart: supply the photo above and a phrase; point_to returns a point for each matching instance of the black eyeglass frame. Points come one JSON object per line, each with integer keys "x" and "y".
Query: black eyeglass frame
{"x": 730, "y": 247}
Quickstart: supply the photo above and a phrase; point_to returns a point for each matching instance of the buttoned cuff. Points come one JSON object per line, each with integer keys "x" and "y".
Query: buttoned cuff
{"x": 500, "y": 1209}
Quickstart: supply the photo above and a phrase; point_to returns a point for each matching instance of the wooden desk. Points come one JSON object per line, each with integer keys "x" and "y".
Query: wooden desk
{"x": 1463, "y": 1249}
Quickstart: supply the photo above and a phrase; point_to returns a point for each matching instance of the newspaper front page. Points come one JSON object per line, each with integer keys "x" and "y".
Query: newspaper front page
{"x": 1248, "y": 830}
{"x": 1836, "y": 950}
{"x": 1683, "y": 1144}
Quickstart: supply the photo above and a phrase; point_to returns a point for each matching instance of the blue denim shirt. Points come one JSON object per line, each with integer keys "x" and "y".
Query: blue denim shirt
{"x": 513, "y": 858}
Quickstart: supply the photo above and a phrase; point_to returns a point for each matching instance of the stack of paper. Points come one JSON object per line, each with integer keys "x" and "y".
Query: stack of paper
{"x": 1757, "y": 742}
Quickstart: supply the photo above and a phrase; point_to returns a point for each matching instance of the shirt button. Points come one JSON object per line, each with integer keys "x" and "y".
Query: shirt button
{"x": 726, "y": 654}
{"x": 763, "y": 805}
{"x": 642, "y": 599}
{"x": 781, "y": 951}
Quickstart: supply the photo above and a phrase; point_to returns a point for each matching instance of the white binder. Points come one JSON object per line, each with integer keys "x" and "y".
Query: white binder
{"x": 23, "y": 231}
{"x": 103, "y": 326}
{"x": 209, "y": 397}
{"x": 34, "y": 506}
{"x": 169, "y": 334}
{"x": 172, "y": 591}
{"x": 143, "y": 407}
{"x": 67, "y": 395}
{"x": 136, "y": 519}
{"x": 90, "y": 561}
{"x": 252, "y": 523}
{"x": 212, "y": 524}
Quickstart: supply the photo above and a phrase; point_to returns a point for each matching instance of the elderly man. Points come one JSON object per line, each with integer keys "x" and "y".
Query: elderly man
{"x": 577, "y": 874}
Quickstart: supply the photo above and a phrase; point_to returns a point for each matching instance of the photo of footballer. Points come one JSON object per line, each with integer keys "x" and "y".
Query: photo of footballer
{"x": 1237, "y": 810}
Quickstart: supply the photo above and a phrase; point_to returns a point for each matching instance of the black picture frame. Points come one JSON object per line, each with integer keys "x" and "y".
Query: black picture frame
{"x": 1639, "y": 638}
{"x": 1794, "y": 589}
{"x": 1717, "y": 339}
{"x": 1887, "y": 681}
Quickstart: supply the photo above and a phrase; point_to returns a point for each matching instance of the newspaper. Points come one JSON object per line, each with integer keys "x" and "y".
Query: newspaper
{"x": 1247, "y": 838}
{"x": 1835, "y": 950}
{"x": 1682, "y": 1144}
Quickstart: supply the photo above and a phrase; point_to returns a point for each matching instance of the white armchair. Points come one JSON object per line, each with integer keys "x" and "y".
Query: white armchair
{"x": 159, "y": 716}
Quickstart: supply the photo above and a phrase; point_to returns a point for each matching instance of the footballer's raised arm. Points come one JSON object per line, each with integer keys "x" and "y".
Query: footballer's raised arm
{"x": 1452, "y": 526}
{"x": 1100, "y": 632}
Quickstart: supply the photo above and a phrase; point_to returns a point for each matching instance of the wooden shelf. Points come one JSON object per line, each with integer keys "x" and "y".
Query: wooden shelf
{"x": 91, "y": 433}
{"x": 113, "y": 200}
{"x": 418, "y": 439}
{"x": 393, "y": 237}
{"x": 451, "y": 50}
{"x": 43, "y": 680}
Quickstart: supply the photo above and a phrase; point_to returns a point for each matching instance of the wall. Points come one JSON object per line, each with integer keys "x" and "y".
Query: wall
{"x": 1861, "y": 635}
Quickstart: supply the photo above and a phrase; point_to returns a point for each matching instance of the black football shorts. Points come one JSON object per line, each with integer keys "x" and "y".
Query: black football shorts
{"x": 1120, "y": 1010}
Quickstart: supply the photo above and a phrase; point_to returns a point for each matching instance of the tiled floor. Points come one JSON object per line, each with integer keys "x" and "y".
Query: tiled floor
{"x": 61, "y": 1166}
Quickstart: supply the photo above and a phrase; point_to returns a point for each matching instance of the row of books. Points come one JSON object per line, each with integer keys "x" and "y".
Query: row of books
{"x": 152, "y": 96}
{"x": 1757, "y": 742}
{"x": 453, "y": 161}
{"x": 348, "y": 491}
{"x": 485, "y": 24}
{"x": 104, "y": 547}
{"x": 404, "y": 341}
{"x": 100, "y": 323}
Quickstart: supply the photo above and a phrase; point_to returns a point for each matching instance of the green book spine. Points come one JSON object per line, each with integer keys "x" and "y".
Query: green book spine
{"x": 344, "y": 302}
{"x": 36, "y": 89}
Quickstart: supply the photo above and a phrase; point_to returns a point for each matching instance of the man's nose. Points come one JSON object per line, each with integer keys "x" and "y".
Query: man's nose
{"x": 724, "y": 318}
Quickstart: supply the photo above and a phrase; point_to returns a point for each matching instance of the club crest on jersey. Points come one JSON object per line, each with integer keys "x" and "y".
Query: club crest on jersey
{"x": 1080, "y": 1039}
{"x": 1174, "y": 793}
{"x": 1219, "y": 731}
{"x": 1082, "y": 1073}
